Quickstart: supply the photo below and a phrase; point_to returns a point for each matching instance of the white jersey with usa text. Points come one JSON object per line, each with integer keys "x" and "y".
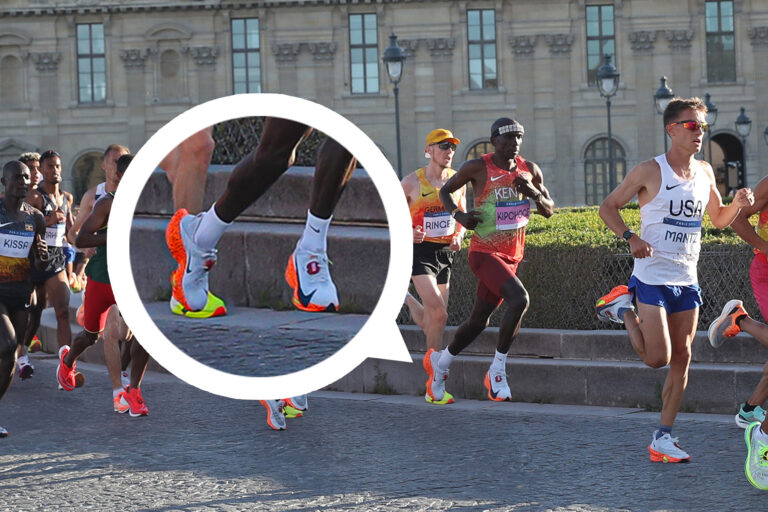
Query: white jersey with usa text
{"x": 671, "y": 224}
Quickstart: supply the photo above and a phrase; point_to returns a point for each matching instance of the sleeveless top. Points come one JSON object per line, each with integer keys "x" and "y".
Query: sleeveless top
{"x": 505, "y": 212}
{"x": 671, "y": 224}
{"x": 55, "y": 235}
{"x": 427, "y": 211}
{"x": 101, "y": 189}
{"x": 16, "y": 239}
{"x": 97, "y": 265}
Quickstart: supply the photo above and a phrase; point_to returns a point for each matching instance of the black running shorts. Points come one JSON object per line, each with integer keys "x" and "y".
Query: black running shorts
{"x": 433, "y": 259}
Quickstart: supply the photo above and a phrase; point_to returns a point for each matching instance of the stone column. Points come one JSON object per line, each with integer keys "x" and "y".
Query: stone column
{"x": 286, "y": 55}
{"x": 649, "y": 130}
{"x": 441, "y": 54}
{"x": 204, "y": 58}
{"x": 47, "y": 67}
{"x": 680, "y": 47}
{"x": 322, "y": 56}
{"x": 560, "y": 176}
{"x": 524, "y": 87}
{"x": 134, "y": 62}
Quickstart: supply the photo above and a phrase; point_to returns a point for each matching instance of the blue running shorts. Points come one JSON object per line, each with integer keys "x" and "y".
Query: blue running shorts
{"x": 672, "y": 298}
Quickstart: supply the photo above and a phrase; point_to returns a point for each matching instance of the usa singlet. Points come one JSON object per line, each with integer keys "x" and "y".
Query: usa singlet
{"x": 671, "y": 224}
{"x": 427, "y": 211}
{"x": 505, "y": 212}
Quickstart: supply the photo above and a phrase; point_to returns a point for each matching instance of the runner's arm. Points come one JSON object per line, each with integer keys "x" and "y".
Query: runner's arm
{"x": 86, "y": 205}
{"x": 721, "y": 215}
{"x": 544, "y": 203}
{"x": 469, "y": 172}
{"x": 633, "y": 183}
{"x": 91, "y": 234}
{"x": 741, "y": 223}
{"x": 40, "y": 248}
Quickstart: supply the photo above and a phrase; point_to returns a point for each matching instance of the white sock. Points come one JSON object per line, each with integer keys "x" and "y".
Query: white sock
{"x": 116, "y": 392}
{"x": 210, "y": 230}
{"x": 499, "y": 364}
{"x": 314, "y": 238}
{"x": 446, "y": 358}
{"x": 23, "y": 360}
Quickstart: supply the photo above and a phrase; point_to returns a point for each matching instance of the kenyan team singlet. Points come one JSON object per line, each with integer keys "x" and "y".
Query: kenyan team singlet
{"x": 427, "y": 211}
{"x": 505, "y": 212}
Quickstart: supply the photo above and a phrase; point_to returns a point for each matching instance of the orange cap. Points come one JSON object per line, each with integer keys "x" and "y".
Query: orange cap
{"x": 440, "y": 135}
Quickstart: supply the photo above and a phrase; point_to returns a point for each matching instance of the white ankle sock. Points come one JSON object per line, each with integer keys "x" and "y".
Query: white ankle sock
{"x": 446, "y": 358}
{"x": 116, "y": 392}
{"x": 499, "y": 363}
{"x": 210, "y": 230}
{"x": 314, "y": 238}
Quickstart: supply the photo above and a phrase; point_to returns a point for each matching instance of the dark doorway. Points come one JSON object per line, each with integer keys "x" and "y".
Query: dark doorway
{"x": 727, "y": 159}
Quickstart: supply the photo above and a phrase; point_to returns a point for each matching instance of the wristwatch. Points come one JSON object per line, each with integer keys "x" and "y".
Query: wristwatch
{"x": 628, "y": 234}
{"x": 454, "y": 212}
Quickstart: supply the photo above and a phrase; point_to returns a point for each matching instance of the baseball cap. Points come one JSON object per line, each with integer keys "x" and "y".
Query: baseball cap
{"x": 440, "y": 135}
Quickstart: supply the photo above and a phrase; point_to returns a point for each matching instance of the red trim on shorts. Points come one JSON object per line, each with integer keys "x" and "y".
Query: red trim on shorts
{"x": 98, "y": 299}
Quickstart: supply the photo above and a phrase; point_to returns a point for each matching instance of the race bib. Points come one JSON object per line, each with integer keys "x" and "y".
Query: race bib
{"x": 438, "y": 224}
{"x": 54, "y": 235}
{"x": 680, "y": 236}
{"x": 15, "y": 244}
{"x": 512, "y": 214}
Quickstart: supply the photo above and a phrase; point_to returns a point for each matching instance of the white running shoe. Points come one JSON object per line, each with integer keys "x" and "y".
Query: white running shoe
{"x": 496, "y": 384}
{"x": 299, "y": 403}
{"x": 666, "y": 449}
{"x": 3, "y": 432}
{"x": 309, "y": 275}
{"x": 756, "y": 465}
{"x": 436, "y": 393}
{"x": 190, "y": 280}
{"x": 611, "y": 307}
{"x": 275, "y": 416}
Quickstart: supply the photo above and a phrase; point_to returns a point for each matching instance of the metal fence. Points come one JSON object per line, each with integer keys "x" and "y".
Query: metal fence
{"x": 564, "y": 283}
{"x": 238, "y": 137}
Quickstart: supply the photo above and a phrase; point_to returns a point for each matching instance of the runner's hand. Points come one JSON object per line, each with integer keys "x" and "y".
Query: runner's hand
{"x": 456, "y": 242}
{"x": 640, "y": 248}
{"x": 418, "y": 235}
{"x": 61, "y": 217}
{"x": 525, "y": 187}
{"x": 41, "y": 248}
{"x": 469, "y": 220}
{"x": 744, "y": 197}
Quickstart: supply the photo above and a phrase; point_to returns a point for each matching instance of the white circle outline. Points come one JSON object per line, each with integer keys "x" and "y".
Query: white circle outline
{"x": 379, "y": 330}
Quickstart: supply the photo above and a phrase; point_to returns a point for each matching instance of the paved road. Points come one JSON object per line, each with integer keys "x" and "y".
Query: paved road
{"x": 351, "y": 452}
{"x": 258, "y": 342}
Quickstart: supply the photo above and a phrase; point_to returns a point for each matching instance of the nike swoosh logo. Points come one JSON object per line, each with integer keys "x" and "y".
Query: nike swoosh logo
{"x": 494, "y": 394}
{"x": 427, "y": 194}
{"x": 6, "y": 224}
{"x": 313, "y": 228}
{"x": 673, "y": 186}
{"x": 494, "y": 178}
{"x": 304, "y": 299}
{"x": 189, "y": 258}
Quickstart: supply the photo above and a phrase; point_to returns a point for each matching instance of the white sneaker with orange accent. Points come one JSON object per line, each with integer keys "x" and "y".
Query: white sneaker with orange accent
{"x": 725, "y": 325}
{"x": 309, "y": 275}
{"x": 666, "y": 449}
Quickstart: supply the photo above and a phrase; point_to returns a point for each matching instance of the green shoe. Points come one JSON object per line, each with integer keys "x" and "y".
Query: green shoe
{"x": 756, "y": 466}
{"x": 447, "y": 399}
{"x": 292, "y": 412}
{"x": 214, "y": 307}
{"x": 743, "y": 419}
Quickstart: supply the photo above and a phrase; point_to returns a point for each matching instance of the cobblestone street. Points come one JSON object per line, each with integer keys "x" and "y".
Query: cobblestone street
{"x": 197, "y": 451}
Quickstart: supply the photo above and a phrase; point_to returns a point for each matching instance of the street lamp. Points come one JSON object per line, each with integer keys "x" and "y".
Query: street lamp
{"x": 711, "y": 119}
{"x": 743, "y": 126}
{"x": 662, "y": 97}
{"x": 394, "y": 58}
{"x": 608, "y": 84}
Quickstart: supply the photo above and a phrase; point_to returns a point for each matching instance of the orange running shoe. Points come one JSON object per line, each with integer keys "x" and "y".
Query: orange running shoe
{"x": 611, "y": 307}
{"x": 309, "y": 276}
{"x": 65, "y": 374}
{"x": 436, "y": 393}
{"x": 727, "y": 324}
{"x": 136, "y": 404}
{"x": 119, "y": 404}
{"x": 275, "y": 415}
{"x": 666, "y": 449}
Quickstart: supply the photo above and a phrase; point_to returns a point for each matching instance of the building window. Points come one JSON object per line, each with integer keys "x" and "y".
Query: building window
{"x": 596, "y": 169}
{"x": 479, "y": 150}
{"x": 363, "y": 53}
{"x": 246, "y": 56}
{"x": 721, "y": 52}
{"x": 481, "y": 38}
{"x": 601, "y": 39}
{"x": 91, "y": 64}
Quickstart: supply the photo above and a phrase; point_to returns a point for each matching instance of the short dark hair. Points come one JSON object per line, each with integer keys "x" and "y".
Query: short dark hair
{"x": 48, "y": 154}
{"x": 13, "y": 166}
{"x": 677, "y": 105}
{"x": 123, "y": 162}
{"x": 117, "y": 147}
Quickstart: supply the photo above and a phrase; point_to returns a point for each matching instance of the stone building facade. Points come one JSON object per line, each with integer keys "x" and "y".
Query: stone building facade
{"x": 77, "y": 75}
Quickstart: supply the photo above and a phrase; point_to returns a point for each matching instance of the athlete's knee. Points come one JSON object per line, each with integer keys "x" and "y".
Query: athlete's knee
{"x": 518, "y": 301}
{"x": 62, "y": 312}
{"x": 201, "y": 145}
{"x": 8, "y": 348}
{"x": 87, "y": 338}
{"x": 681, "y": 356}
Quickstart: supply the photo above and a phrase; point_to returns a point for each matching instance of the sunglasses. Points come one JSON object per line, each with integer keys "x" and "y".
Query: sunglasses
{"x": 694, "y": 126}
{"x": 444, "y": 145}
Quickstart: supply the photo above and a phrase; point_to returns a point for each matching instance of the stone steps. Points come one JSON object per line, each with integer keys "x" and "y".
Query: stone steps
{"x": 252, "y": 260}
